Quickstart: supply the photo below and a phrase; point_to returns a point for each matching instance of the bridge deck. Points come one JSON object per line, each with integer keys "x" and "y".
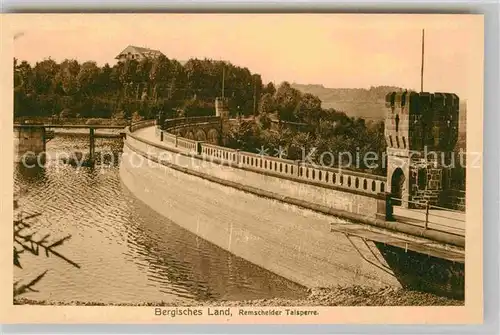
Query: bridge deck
{"x": 442, "y": 220}
{"x": 365, "y": 232}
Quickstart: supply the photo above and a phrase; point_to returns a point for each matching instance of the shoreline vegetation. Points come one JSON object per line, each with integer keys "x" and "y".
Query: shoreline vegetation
{"x": 327, "y": 297}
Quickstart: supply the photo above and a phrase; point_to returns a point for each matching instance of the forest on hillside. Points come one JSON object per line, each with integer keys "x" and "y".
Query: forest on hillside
{"x": 360, "y": 102}
{"x": 86, "y": 90}
{"x": 357, "y": 102}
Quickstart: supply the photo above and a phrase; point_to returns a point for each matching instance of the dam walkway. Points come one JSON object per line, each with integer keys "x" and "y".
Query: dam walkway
{"x": 448, "y": 221}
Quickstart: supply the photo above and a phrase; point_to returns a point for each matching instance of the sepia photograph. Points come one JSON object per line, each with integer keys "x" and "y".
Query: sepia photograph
{"x": 231, "y": 166}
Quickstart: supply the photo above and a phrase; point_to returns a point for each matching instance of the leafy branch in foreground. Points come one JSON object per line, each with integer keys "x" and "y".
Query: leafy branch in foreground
{"x": 24, "y": 240}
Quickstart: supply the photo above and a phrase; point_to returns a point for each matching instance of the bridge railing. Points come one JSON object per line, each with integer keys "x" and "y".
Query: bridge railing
{"x": 428, "y": 216}
{"x": 347, "y": 179}
{"x": 361, "y": 182}
{"x": 267, "y": 163}
{"x": 170, "y": 138}
{"x": 222, "y": 153}
{"x": 187, "y": 144}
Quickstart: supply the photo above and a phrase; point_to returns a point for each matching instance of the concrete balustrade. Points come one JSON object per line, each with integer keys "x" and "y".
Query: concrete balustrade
{"x": 270, "y": 164}
{"x": 349, "y": 180}
{"x": 169, "y": 138}
{"x": 362, "y": 182}
{"x": 210, "y": 150}
{"x": 189, "y": 145}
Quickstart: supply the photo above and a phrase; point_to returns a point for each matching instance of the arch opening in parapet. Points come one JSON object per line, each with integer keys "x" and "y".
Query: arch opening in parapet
{"x": 200, "y": 135}
{"x": 397, "y": 186}
{"x": 213, "y": 136}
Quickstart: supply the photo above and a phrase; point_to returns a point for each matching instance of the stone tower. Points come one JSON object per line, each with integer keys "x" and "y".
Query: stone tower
{"x": 222, "y": 111}
{"x": 222, "y": 107}
{"x": 421, "y": 130}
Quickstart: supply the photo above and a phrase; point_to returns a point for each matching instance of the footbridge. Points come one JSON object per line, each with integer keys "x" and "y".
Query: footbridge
{"x": 30, "y": 139}
{"x": 315, "y": 225}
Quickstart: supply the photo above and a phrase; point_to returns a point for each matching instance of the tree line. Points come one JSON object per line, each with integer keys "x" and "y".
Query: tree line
{"x": 71, "y": 89}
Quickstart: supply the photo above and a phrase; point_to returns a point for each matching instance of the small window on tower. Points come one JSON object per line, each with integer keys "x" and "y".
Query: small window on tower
{"x": 404, "y": 142}
{"x": 390, "y": 140}
{"x": 397, "y": 141}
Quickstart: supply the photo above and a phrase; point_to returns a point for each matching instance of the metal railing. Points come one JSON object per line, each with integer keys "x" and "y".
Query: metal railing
{"x": 428, "y": 216}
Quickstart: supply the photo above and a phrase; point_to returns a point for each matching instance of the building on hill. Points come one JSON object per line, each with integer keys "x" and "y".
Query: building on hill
{"x": 137, "y": 53}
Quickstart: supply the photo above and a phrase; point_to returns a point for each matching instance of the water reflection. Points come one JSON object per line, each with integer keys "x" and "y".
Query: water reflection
{"x": 189, "y": 266}
{"x": 128, "y": 253}
{"x": 30, "y": 174}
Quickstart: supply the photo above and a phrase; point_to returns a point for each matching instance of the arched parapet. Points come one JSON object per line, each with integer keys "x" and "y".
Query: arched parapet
{"x": 191, "y": 122}
{"x": 213, "y": 136}
{"x": 200, "y": 135}
{"x": 204, "y": 128}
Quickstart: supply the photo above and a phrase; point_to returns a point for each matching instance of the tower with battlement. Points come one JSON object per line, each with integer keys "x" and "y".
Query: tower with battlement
{"x": 421, "y": 130}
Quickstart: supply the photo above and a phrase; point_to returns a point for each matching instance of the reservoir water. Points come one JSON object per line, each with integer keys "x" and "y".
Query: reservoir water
{"x": 127, "y": 252}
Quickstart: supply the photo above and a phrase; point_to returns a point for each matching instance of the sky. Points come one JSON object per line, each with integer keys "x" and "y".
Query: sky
{"x": 339, "y": 51}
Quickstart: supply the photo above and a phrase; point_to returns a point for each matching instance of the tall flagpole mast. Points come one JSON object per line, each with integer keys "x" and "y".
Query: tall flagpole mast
{"x": 422, "y": 67}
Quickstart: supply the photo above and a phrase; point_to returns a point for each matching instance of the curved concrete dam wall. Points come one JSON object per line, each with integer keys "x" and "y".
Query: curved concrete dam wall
{"x": 288, "y": 240}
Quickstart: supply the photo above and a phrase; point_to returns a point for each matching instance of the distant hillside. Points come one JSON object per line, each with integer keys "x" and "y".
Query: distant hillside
{"x": 360, "y": 102}
{"x": 357, "y": 102}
